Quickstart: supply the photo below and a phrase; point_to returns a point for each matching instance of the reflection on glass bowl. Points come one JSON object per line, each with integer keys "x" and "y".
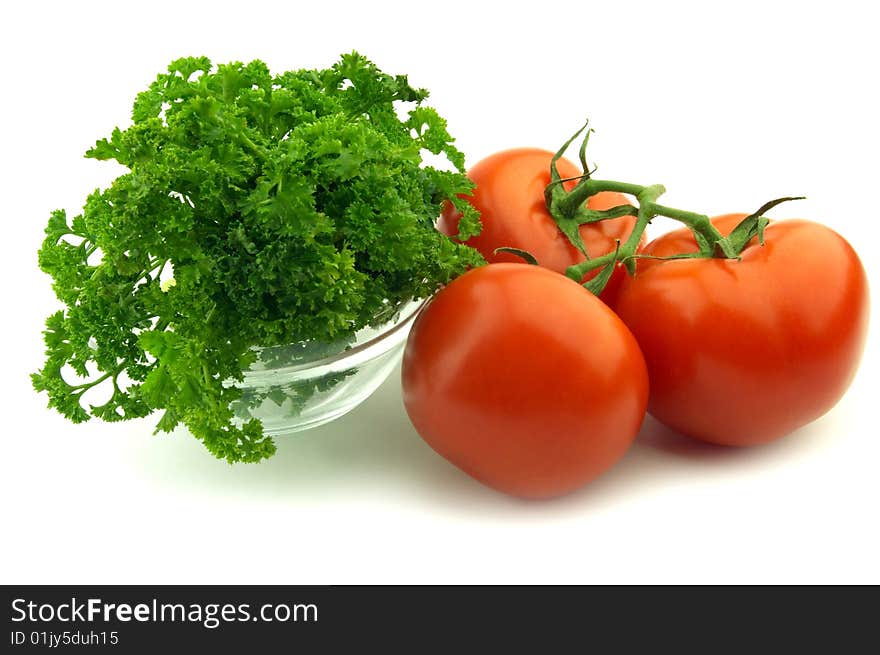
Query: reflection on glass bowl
{"x": 302, "y": 385}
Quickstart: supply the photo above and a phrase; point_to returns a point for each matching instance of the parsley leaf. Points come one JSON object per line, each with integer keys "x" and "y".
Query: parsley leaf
{"x": 291, "y": 207}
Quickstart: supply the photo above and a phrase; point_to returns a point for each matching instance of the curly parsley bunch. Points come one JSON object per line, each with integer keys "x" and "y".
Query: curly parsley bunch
{"x": 291, "y": 207}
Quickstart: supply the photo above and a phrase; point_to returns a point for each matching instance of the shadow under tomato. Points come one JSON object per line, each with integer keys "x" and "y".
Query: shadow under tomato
{"x": 657, "y": 436}
{"x": 661, "y": 458}
{"x": 374, "y": 451}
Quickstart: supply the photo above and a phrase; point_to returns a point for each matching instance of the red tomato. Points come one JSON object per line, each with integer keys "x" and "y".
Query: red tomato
{"x": 523, "y": 379}
{"x": 509, "y": 194}
{"x": 743, "y": 352}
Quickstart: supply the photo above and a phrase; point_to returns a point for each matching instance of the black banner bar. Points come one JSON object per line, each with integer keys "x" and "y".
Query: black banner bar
{"x": 135, "y": 619}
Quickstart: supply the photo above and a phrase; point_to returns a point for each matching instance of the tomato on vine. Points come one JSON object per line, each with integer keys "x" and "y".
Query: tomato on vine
{"x": 510, "y": 196}
{"x": 524, "y": 380}
{"x": 744, "y": 351}
{"x": 745, "y": 329}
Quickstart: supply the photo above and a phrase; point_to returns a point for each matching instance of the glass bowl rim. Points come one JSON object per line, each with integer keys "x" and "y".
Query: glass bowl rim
{"x": 407, "y": 315}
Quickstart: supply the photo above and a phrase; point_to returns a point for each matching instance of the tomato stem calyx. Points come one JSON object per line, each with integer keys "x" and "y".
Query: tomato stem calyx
{"x": 568, "y": 209}
{"x": 528, "y": 257}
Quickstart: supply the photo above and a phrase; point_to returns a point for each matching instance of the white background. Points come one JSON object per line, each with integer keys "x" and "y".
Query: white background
{"x": 728, "y": 106}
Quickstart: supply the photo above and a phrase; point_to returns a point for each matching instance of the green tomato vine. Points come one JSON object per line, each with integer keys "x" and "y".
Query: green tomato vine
{"x": 569, "y": 211}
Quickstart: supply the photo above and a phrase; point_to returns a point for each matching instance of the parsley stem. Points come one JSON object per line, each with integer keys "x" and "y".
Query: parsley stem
{"x": 88, "y": 385}
{"x": 246, "y": 141}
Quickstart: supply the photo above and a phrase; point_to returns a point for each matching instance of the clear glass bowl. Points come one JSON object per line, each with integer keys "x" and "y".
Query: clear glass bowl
{"x": 300, "y": 386}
